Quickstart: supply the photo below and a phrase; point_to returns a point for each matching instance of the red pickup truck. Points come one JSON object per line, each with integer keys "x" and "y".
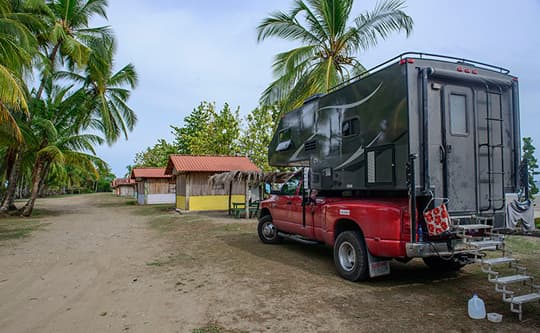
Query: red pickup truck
{"x": 365, "y": 233}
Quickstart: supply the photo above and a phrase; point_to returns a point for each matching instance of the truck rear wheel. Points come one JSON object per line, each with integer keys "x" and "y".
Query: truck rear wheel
{"x": 267, "y": 231}
{"x": 442, "y": 265}
{"x": 350, "y": 256}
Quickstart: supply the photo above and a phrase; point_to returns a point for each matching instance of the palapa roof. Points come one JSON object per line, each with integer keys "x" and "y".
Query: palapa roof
{"x": 149, "y": 173}
{"x": 252, "y": 177}
{"x": 193, "y": 163}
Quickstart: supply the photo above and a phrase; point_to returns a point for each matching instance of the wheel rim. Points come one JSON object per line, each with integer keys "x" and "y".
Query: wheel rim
{"x": 347, "y": 256}
{"x": 269, "y": 231}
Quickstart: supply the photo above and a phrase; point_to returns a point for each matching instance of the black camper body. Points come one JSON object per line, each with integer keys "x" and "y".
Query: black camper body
{"x": 459, "y": 117}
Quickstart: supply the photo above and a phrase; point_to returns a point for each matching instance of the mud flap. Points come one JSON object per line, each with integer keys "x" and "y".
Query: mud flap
{"x": 378, "y": 266}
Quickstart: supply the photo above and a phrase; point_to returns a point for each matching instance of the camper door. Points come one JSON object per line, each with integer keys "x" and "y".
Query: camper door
{"x": 458, "y": 149}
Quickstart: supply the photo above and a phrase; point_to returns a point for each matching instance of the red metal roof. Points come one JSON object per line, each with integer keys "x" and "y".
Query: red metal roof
{"x": 190, "y": 163}
{"x": 122, "y": 181}
{"x": 149, "y": 173}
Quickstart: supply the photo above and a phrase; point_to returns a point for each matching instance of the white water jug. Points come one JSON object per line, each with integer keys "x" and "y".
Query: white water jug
{"x": 477, "y": 309}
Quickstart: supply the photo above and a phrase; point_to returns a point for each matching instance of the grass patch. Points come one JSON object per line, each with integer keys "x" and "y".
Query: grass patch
{"x": 147, "y": 210}
{"x": 523, "y": 245}
{"x": 18, "y": 228}
{"x": 236, "y": 228}
{"x": 164, "y": 223}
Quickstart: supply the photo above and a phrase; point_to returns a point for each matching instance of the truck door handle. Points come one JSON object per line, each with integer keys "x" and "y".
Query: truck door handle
{"x": 442, "y": 153}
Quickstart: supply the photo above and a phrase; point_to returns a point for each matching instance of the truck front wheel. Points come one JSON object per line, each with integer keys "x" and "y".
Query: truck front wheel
{"x": 267, "y": 231}
{"x": 350, "y": 256}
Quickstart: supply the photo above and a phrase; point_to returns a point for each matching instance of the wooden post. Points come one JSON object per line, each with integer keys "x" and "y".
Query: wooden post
{"x": 230, "y": 197}
{"x": 247, "y": 199}
{"x": 188, "y": 190}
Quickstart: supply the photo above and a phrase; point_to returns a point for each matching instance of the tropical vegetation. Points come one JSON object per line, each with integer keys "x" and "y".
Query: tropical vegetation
{"x": 532, "y": 165}
{"x": 330, "y": 40}
{"x": 207, "y": 131}
{"x": 60, "y": 97}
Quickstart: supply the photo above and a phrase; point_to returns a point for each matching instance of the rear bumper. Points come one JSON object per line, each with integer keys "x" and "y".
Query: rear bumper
{"x": 422, "y": 249}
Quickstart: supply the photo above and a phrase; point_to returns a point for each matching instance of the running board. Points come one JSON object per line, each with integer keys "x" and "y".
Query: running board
{"x": 298, "y": 238}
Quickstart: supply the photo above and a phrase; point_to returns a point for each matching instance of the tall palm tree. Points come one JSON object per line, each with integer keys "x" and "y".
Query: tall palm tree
{"x": 109, "y": 91}
{"x": 20, "y": 22}
{"x": 329, "y": 46}
{"x": 64, "y": 42}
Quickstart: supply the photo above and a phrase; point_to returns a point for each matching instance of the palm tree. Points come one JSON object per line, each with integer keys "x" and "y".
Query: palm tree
{"x": 69, "y": 35}
{"x": 64, "y": 41}
{"x": 20, "y": 23}
{"x": 109, "y": 91}
{"x": 328, "y": 55}
{"x": 56, "y": 138}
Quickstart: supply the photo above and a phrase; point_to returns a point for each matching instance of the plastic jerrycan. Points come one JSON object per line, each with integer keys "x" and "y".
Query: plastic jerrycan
{"x": 477, "y": 309}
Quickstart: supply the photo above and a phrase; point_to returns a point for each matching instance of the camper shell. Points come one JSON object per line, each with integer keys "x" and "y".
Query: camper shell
{"x": 459, "y": 118}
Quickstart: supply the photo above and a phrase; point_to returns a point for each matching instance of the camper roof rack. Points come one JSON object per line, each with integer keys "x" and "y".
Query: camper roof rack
{"x": 427, "y": 56}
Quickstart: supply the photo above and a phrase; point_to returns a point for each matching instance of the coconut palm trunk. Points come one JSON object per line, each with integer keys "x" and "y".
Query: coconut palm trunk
{"x": 36, "y": 179}
{"x": 9, "y": 200}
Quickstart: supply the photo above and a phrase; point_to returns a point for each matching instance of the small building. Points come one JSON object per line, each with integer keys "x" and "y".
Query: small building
{"x": 153, "y": 186}
{"x": 124, "y": 187}
{"x": 193, "y": 191}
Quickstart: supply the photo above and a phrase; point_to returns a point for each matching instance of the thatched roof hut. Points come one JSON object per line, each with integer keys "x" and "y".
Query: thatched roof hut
{"x": 227, "y": 179}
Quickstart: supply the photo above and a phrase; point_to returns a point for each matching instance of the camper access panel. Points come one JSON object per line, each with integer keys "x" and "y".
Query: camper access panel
{"x": 459, "y": 117}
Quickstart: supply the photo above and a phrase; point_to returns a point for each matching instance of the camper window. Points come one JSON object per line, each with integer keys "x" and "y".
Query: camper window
{"x": 285, "y": 141}
{"x": 458, "y": 115}
{"x": 350, "y": 127}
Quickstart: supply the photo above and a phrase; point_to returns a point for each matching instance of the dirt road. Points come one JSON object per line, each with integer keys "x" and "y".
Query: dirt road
{"x": 100, "y": 264}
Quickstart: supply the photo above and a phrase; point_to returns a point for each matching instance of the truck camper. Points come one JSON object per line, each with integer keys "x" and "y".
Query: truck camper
{"x": 434, "y": 135}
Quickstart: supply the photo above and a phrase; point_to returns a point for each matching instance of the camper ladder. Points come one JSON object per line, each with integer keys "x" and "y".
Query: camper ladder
{"x": 509, "y": 277}
{"x": 494, "y": 121}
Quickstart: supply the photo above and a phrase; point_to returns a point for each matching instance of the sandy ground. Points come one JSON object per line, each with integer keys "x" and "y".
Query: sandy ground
{"x": 100, "y": 264}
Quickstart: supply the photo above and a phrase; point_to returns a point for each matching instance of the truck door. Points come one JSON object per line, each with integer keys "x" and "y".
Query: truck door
{"x": 458, "y": 149}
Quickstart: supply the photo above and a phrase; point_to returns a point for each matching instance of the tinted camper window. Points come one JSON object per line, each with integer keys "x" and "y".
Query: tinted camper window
{"x": 458, "y": 115}
{"x": 285, "y": 141}
{"x": 285, "y": 135}
{"x": 350, "y": 127}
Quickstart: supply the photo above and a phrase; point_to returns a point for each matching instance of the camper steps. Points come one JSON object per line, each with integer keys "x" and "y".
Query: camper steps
{"x": 504, "y": 283}
{"x": 506, "y": 280}
{"x": 472, "y": 226}
{"x": 486, "y": 244}
{"x": 497, "y": 261}
{"x": 516, "y": 302}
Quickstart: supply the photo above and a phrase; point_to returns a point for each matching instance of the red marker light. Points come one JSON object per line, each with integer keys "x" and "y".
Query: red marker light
{"x": 459, "y": 69}
{"x": 403, "y": 61}
{"x": 515, "y": 78}
{"x": 410, "y": 61}
{"x": 466, "y": 70}
{"x": 474, "y": 71}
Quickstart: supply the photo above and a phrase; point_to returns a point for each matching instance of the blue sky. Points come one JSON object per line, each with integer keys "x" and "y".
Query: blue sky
{"x": 189, "y": 51}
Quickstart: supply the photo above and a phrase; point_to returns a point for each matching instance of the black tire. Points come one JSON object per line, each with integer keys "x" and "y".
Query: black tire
{"x": 267, "y": 231}
{"x": 350, "y": 256}
{"x": 441, "y": 265}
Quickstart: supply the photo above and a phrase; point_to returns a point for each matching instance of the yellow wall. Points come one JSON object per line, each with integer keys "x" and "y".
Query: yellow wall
{"x": 180, "y": 202}
{"x": 213, "y": 202}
